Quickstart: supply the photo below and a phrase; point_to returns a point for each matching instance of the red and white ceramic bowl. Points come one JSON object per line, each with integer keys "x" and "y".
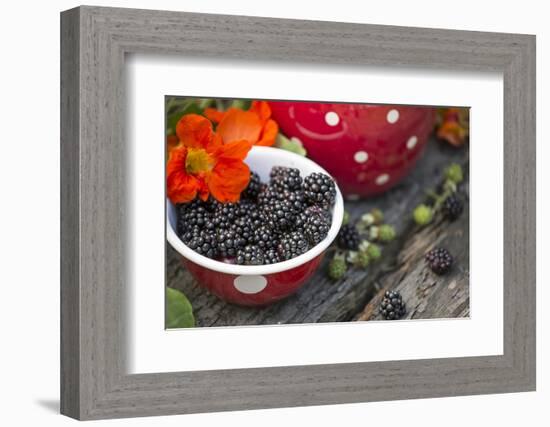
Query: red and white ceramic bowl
{"x": 262, "y": 284}
{"x": 367, "y": 148}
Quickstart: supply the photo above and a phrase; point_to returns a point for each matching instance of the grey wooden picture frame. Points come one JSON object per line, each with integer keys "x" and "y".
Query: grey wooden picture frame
{"x": 94, "y": 42}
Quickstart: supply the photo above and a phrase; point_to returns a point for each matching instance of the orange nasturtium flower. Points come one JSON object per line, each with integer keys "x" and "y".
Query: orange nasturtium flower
{"x": 203, "y": 164}
{"x": 451, "y": 128}
{"x": 254, "y": 125}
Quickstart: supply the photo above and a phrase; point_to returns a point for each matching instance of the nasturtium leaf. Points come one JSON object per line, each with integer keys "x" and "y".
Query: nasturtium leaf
{"x": 293, "y": 145}
{"x": 176, "y": 108}
{"x": 179, "y": 313}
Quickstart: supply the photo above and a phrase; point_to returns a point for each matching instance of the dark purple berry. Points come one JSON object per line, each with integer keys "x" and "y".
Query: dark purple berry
{"x": 439, "y": 260}
{"x": 392, "y": 306}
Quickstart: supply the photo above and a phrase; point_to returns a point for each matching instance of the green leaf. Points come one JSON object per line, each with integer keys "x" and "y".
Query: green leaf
{"x": 243, "y": 104}
{"x": 179, "y": 313}
{"x": 293, "y": 145}
{"x": 173, "y": 118}
{"x": 178, "y": 107}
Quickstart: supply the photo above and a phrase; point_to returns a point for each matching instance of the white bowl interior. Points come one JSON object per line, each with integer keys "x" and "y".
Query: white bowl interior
{"x": 261, "y": 160}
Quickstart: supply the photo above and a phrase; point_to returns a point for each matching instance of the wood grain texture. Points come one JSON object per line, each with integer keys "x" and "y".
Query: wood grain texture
{"x": 70, "y": 219}
{"x": 427, "y": 295}
{"x": 322, "y": 299}
{"x": 94, "y": 238}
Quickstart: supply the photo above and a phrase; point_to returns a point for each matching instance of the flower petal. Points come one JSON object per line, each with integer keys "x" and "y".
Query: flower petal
{"x": 269, "y": 133}
{"x": 194, "y": 131}
{"x": 214, "y": 115}
{"x": 262, "y": 109}
{"x": 452, "y": 132}
{"x": 172, "y": 141}
{"x": 228, "y": 179}
{"x": 180, "y": 187}
{"x": 238, "y": 124}
{"x": 236, "y": 150}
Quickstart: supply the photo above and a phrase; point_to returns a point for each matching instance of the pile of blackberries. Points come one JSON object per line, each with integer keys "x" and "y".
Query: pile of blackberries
{"x": 272, "y": 222}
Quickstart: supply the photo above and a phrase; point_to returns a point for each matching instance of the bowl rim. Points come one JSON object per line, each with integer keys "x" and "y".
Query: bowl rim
{"x": 244, "y": 270}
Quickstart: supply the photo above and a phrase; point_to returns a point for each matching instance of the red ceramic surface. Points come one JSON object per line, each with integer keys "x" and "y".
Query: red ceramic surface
{"x": 253, "y": 290}
{"x": 367, "y": 148}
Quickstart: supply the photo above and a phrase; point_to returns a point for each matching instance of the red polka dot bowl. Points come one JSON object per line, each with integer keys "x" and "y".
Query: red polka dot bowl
{"x": 263, "y": 284}
{"x": 367, "y": 148}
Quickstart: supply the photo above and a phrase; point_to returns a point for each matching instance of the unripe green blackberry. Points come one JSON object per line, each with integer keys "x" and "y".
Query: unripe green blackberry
{"x": 345, "y": 218}
{"x": 423, "y": 214}
{"x": 454, "y": 173}
{"x": 383, "y": 233}
{"x": 374, "y": 217}
{"x": 374, "y": 251}
{"x": 363, "y": 259}
{"x": 337, "y": 267}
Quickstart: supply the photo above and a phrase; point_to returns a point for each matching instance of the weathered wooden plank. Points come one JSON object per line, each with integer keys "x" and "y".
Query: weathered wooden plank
{"x": 426, "y": 294}
{"x": 322, "y": 300}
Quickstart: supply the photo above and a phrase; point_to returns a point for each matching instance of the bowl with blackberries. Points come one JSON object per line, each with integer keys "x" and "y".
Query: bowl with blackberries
{"x": 265, "y": 246}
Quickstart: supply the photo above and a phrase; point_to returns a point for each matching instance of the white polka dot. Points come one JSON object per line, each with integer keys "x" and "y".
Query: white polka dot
{"x": 411, "y": 143}
{"x": 361, "y": 156}
{"x": 382, "y": 179}
{"x": 250, "y": 284}
{"x": 352, "y": 197}
{"x": 393, "y": 116}
{"x": 332, "y": 118}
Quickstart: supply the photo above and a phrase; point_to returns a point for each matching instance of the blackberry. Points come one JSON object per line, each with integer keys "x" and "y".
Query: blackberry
{"x": 205, "y": 244}
{"x": 316, "y": 228}
{"x": 292, "y": 244}
{"x": 229, "y": 242}
{"x": 250, "y": 255}
{"x": 279, "y": 215}
{"x": 319, "y": 189}
{"x": 300, "y": 221}
{"x": 318, "y": 210}
{"x": 312, "y": 211}
{"x": 264, "y": 237}
{"x": 297, "y": 200}
{"x": 284, "y": 178}
{"x": 243, "y": 230}
{"x": 271, "y": 256}
{"x": 253, "y": 188}
{"x": 193, "y": 214}
{"x": 189, "y": 234}
{"x": 226, "y": 212}
{"x": 439, "y": 260}
{"x": 392, "y": 306}
{"x": 453, "y": 207}
{"x": 248, "y": 210}
{"x": 267, "y": 195}
{"x": 348, "y": 237}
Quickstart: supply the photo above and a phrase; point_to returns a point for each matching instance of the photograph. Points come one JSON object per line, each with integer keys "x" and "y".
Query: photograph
{"x": 301, "y": 212}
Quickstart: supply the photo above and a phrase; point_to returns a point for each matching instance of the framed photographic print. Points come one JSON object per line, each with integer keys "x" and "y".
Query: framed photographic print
{"x": 294, "y": 213}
